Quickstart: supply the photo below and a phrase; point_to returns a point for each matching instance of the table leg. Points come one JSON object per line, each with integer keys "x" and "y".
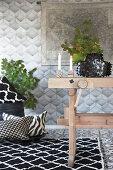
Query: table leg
{"x": 72, "y": 129}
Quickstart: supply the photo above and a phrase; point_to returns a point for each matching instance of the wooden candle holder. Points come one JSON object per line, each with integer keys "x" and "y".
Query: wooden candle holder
{"x": 59, "y": 73}
{"x": 70, "y": 73}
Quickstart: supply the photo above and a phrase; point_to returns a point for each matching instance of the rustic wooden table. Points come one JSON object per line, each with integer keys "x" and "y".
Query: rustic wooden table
{"x": 81, "y": 120}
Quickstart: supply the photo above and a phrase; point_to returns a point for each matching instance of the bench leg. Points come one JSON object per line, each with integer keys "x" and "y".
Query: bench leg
{"x": 72, "y": 129}
{"x": 72, "y": 146}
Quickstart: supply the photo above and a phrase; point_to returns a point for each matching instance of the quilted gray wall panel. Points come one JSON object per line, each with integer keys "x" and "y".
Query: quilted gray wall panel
{"x": 20, "y": 38}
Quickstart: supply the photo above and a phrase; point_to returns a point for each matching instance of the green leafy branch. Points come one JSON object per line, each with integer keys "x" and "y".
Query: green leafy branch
{"x": 21, "y": 79}
{"x": 82, "y": 44}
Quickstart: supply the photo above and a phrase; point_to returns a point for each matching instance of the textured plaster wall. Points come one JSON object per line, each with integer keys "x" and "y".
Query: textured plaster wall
{"x": 20, "y": 38}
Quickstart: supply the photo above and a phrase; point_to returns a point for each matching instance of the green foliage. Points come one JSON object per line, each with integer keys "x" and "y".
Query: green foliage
{"x": 21, "y": 79}
{"x": 82, "y": 44}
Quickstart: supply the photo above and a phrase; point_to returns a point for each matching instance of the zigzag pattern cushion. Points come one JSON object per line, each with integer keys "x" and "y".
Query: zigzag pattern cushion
{"x": 6, "y": 116}
{"x": 15, "y": 129}
{"x": 37, "y": 126}
{"x": 8, "y": 92}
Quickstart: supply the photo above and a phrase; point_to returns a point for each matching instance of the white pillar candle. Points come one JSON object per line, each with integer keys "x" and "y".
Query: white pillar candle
{"x": 71, "y": 61}
{"x": 59, "y": 61}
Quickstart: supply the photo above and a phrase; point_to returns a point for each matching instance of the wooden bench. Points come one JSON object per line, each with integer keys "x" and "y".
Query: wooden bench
{"x": 81, "y": 120}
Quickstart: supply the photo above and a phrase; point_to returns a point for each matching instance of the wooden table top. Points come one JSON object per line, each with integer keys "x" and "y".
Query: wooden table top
{"x": 80, "y": 82}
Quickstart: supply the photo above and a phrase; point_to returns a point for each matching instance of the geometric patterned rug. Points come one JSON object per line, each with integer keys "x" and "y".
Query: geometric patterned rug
{"x": 51, "y": 154}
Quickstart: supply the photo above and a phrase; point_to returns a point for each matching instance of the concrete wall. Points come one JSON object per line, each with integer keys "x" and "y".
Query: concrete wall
{"x": 20, "y": 38}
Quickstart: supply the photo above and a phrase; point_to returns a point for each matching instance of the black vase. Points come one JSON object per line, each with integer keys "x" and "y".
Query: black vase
{"x": 16, "y": 109}
{"x": 94, "y": 66}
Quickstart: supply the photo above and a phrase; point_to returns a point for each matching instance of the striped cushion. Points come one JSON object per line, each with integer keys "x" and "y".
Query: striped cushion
{"x": 6, "y": 116}
{"x": 37, "y": 126}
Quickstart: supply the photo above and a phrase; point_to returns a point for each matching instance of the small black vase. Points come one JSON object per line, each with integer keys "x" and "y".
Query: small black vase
{"x": 94, "y": 66}
{"x": 16, "y": 109}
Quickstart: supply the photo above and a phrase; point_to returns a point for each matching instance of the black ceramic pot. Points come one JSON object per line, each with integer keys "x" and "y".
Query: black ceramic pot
{"x": 94, "y": 66}
{"x": 16, "y": 109}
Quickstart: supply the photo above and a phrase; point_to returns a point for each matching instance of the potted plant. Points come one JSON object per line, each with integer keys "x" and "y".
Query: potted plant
{"x": 22, "y": 80}
{"x": 86, "y": 50}
{"x": 82, "y": 43}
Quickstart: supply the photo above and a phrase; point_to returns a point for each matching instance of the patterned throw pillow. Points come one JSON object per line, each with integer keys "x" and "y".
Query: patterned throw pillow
{"x": 10, "y": 100}
{"x": 15, "y": 129}
{"x": 37, "y": 126}
{"x": 6, "y": 116}
{"x": 8, "y": 93}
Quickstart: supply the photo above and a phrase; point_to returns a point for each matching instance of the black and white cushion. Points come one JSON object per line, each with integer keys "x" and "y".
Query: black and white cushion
{"x": 37, "y": 126}
{"x": 15, "y": 129}
{"x": 10, "y": 100}
{"x": 8, "y": 92}
{"x": 6, "y": 116}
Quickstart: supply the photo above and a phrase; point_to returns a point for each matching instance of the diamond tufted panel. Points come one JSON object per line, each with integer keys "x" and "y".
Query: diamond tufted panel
{"x": 20, "y": 38}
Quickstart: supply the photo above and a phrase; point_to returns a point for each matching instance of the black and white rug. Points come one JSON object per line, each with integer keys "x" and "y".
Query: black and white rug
{"x": 50, "y": 154}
